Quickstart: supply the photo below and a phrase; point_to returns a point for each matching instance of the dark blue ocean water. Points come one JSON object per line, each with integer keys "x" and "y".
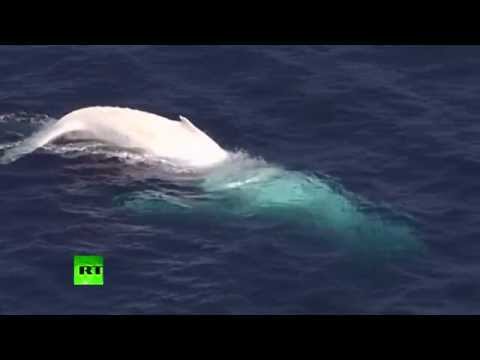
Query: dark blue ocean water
{"x": 397, "y": 125}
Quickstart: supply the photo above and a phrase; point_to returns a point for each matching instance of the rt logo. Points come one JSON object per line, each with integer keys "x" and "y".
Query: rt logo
{"x": 87, "y": 270}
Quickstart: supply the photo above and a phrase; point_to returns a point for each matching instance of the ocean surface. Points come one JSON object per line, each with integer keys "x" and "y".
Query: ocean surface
{"x": 397, "y": 125}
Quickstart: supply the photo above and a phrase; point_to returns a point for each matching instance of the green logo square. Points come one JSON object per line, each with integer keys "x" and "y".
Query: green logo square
{"x": 87, "y": 270}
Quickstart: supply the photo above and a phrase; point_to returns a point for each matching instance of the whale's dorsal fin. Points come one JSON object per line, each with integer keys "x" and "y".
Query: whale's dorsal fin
{"x": 188, "y": 125}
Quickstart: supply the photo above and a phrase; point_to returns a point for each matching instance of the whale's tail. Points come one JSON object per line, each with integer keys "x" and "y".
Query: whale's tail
{"x": 48, "y": 133}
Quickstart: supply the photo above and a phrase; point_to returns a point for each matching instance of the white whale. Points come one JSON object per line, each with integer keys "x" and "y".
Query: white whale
{"x": 179, "y": 142}
{"x": 239, "y": 187}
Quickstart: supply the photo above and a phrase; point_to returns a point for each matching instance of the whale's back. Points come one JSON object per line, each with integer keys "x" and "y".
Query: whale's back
{"x": 178, "y": 141}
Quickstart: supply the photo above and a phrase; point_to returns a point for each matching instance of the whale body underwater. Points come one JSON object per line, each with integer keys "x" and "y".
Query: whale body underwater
{"x": 230, "y": 184}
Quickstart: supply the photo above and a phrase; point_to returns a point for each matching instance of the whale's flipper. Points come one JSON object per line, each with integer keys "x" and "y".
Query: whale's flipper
{"x": 42, "y": 137}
